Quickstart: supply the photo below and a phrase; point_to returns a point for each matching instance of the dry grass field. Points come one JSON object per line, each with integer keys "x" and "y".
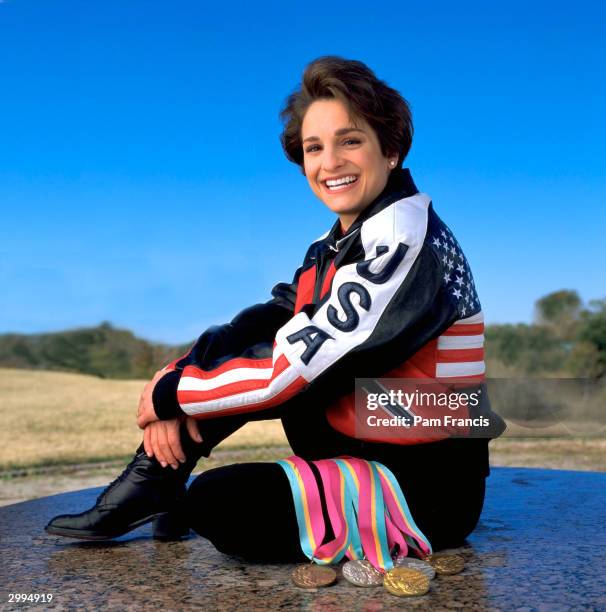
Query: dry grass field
{"x": 63, "y": 432}
{"x": 53, "y": 419}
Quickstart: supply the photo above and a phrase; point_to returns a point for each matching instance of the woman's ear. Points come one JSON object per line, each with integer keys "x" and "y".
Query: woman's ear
{"x": 392, "y": 160}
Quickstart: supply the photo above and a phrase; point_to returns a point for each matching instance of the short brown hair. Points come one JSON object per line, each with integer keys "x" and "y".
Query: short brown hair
{"x": 365, "y": 96}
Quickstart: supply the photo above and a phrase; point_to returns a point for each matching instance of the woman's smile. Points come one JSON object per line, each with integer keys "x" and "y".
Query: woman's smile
{"x": 342, "y": 158}
{"x": 340, "y": 184}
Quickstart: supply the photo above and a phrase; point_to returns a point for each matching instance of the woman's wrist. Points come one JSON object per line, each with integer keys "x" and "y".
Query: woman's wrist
{"x": 164, "y": 396}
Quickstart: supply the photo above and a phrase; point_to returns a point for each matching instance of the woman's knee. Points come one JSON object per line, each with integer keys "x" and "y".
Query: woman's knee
{"x": 225, "y": 498}
{"x": 204, "y": 500}
{"x": 457, "y": 516}
{"x": 246, "y": 509}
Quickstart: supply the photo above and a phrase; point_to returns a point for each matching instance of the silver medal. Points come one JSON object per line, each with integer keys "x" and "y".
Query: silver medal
{"x": 362, "y": 573}
{"x": 416, "y": 564}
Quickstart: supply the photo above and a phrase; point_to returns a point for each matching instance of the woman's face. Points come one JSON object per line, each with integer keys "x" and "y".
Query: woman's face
{"x": 343, "y": 162}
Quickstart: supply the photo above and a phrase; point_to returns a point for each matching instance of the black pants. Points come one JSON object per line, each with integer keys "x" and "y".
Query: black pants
{"x": 247, "y": 509}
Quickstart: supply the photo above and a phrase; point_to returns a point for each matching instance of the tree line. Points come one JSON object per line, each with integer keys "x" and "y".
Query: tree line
{"x": 102, "y": 351}
{"x": 566, "y": 338}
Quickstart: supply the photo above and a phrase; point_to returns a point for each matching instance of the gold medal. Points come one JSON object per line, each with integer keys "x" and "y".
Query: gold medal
{"x": 416, "y": 564}
{"x": 405, "y": 582}
{"x": 313, "y": 576}
{"x": 446, "y": 565}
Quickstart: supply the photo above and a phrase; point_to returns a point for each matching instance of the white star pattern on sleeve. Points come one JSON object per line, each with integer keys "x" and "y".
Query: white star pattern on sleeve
{"x": 464, "y": 294}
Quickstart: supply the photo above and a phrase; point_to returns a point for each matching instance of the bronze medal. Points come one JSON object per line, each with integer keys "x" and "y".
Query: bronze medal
{"x": 446, "y": 565}
{"x": 362, "y": 573}
{"x": 310, "y": 576}
{"x": 405, "y": 582}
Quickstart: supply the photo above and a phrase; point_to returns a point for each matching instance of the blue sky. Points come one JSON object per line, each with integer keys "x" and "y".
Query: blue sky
{"x": 142, "y": 179}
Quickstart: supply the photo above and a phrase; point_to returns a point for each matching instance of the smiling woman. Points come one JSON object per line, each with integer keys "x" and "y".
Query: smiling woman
{"x": 386, "y": 292}
{"x": 347, "y": 132}
{"x": 343, "y": 164}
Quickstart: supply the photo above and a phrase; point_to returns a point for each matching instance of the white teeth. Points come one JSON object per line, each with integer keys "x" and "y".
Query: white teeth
{"x": 345, "y": 180}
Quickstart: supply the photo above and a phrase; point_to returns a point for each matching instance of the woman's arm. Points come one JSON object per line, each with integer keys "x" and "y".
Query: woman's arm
{"x": 379, "y": 312}
{"x": 249, "y": 335}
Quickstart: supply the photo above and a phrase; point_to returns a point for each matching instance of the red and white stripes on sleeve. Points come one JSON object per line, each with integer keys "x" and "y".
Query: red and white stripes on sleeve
{"x": 237, "y": 386}
{"x": 461, "y": 350}
{"x": 357, "y": 307}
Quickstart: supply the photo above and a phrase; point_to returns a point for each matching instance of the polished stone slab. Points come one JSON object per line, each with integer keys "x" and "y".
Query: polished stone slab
{"x": 540, "y": 545}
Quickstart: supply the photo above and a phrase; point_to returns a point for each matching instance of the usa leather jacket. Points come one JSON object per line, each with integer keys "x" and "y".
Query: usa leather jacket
{"x": 392, "y": 296}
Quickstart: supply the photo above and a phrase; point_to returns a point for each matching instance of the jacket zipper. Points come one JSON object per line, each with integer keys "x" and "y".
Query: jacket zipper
{"x": 321, "y": 271}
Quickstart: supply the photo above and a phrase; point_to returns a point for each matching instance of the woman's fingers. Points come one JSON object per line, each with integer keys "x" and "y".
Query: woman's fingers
{"x": 174, "y": 440}
{"x": 158, "y": 450}
{"x": 192, "y": 429}
{"x": 142, "y": 398}
{"x": 162, "y": 439}
{"x": 145, "y": 411}
{"x": 167, "y": 445}
{"x": 165, "y": 441}
{"x": 147, "y": 443}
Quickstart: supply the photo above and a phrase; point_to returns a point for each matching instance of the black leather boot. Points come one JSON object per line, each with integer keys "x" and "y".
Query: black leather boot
{"x": 145, "y": 491}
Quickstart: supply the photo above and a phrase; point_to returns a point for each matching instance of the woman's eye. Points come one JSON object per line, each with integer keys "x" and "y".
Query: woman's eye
{"x": 351, "y": 141}
{"x": 312, "y": 149}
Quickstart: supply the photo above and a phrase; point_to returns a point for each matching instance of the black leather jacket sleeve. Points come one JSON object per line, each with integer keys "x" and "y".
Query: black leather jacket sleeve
{"x": 250, "y": 334}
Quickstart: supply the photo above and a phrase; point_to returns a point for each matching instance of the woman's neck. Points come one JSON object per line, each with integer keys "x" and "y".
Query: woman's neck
{"x": 346, "y": 222}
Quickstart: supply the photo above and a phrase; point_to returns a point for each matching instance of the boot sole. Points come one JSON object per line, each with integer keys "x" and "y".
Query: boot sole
{"x": 84, "y": 534}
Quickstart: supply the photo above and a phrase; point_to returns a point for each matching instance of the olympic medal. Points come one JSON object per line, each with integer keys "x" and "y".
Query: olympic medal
{"x": 362, "y": 573}
{"x": 416, "y": 564}
{"x": 406, "y": 582}
{"x": 447, "y": 565}
{"x": 310, "y": 576}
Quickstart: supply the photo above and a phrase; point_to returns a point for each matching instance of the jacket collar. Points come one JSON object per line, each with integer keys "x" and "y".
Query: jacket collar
{"x": 399, "y": 185}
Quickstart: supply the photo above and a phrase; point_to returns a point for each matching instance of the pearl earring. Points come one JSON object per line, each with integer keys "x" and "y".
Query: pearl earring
{"x": 392, "y": 163}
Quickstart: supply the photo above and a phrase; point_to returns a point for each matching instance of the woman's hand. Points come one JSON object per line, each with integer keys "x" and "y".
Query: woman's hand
{"x": 161, "y": 439}
{"x": 146, "y": 413}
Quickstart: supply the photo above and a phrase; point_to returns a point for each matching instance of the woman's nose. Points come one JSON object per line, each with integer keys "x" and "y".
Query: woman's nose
{"x": 331, "y": 159}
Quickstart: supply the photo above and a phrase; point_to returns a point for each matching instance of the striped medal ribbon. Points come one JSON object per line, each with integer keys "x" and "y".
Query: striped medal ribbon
{"x": 350, "y": 503}
{"x": 394, "y": 535}
{"x": 308, "y": 509}
{"x": 366, "y": 508}
{"x": 399, "y": 512}
{"x": 338, "y": 505}
{"x": 371, "y": 514}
